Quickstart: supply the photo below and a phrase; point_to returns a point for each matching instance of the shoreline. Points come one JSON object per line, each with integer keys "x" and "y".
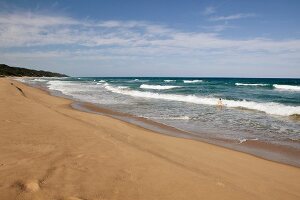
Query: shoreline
{"x": 260, "y": 149}
{"x": 62, "y": 153}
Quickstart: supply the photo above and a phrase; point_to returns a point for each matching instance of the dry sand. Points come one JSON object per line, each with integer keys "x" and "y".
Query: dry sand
{"x": 51, "y": 151}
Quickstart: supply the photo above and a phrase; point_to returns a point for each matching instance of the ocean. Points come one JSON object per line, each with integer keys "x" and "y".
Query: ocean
{"x": 260, "y": 116}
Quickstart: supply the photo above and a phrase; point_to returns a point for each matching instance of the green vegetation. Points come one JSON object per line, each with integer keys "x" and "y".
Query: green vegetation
{"x": 6, "y": 70}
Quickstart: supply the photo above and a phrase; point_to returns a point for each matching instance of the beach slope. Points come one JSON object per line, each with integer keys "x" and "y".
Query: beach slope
{"x": 50, "y": 151}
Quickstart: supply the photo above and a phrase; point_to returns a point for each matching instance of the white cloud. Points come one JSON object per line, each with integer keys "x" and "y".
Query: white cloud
{"x": 36, "y": 20}
{"x": 35, "y": 36}
{"x": 25, "y": 30}
{"x": 233, "y": 17}
{"x": 218, "y": 27}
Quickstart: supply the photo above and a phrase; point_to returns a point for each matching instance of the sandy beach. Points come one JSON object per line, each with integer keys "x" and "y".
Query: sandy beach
{"x": 50, "y": 151}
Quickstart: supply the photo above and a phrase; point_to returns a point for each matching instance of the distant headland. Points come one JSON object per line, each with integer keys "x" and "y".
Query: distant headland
{"x": 6, "y": 70}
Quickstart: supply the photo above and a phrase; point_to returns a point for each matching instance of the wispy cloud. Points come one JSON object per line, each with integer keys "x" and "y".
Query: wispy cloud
{"x": 36, "y": 36}
{"x": 28, "y": 29}
{"x": 24, "y": 30}
{"x": 233, "y": 17}
{"x": 209, "y": 10}
{"x": 218, "y": 27}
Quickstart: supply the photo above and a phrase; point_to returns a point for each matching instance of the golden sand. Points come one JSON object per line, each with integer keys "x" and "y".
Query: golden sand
{"x": 50, "y": 151}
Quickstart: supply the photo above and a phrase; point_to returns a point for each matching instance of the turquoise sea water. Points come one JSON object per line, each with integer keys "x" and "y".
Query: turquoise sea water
{"x": 253, "y": 109}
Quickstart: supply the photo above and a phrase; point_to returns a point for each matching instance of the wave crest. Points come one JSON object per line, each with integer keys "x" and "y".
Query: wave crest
{"x": 269, "y": 108}
{"x": 192, "y": 81}
{"x": 169, "y": 81}
{"x": 250, "y": 84}
{"x": 287, "y": 87}
{"x": 158, "y": 87}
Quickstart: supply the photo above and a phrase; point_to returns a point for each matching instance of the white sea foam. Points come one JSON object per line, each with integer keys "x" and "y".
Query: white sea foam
{"x": 169, "y": 81}
{"x": 179, "y": 118}
{"x": 192, "y": 81}
{"x": 39, "y": 80}
{"x": 269, "y": 107}
{"x": 173, "y": 117}
{"x": 23, "y": 80}
{"x": 287, "y": 87}
{"x": 122, "y": 87}
{"x": 158, "y": 87}
{"x": 136, "y": 80}
{"x": 245, "y": 140}
{"x": 65, "y": 87}
{"x": 82, "y": 91}
{"x": 250, "y": 84}
{"x": 101, "y": 82}
{"x": 74, "y": 88}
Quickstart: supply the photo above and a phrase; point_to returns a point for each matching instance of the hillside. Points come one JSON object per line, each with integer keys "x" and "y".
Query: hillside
{"x": 6, "y": 70}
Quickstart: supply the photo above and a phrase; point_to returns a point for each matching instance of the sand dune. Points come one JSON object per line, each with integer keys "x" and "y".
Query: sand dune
{"x": 50, "y": 151}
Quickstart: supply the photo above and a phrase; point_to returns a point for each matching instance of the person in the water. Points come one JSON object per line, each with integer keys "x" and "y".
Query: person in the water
{"x": 220, "y": 103}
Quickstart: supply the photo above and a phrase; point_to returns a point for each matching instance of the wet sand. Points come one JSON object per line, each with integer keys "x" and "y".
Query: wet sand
{"x": 278, "y": 153}
{"x": 50, "y": 151}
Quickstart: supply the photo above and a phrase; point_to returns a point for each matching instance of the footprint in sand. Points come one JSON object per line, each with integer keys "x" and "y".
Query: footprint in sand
{"x": 32, "y": 186}
{"x": 29, "y": 186}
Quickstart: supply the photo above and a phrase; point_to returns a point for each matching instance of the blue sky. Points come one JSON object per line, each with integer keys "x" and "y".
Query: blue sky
{"x": 228, "y": 38}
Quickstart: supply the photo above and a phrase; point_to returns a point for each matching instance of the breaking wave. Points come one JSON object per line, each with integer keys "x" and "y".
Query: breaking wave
{"x": 287, "y": 87}
{"x": 250, "y": 84}
{"x": 169, "y": 81}
{"x": 158, "y": 87}
{"x": 101, "y": 82}
{"x": 39, "y": 80}
{"x": 192, "y": 81}
{"x": 269, "y": 107}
